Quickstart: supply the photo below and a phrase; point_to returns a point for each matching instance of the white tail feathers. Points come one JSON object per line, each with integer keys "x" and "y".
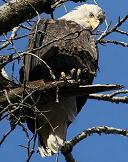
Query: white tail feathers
{"x": 51, "y": 140}
{"x": 54, "y": 144}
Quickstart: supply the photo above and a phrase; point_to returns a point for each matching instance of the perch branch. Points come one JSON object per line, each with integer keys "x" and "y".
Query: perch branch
{"x": 49, "y": 89}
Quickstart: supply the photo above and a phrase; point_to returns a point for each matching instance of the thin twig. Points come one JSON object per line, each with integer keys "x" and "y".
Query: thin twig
{"x": 113, "y": 29}
{"x": 122, "y": 32}
{"x": 12, "y": 37}
{"x": 5, "y": 136}
{"x": 124, "y": 44}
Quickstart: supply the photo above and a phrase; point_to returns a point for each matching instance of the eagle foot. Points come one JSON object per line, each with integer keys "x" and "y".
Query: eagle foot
{"x": 75, "y": 74}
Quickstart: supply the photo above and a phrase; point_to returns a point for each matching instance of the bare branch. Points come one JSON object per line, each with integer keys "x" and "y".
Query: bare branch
{"x": 15, "y": 12}
{"x": 122, "y": 32}
{"x": 68, "y": 146}
{"x": 113, "y": 29}
{"x": 49, "y": 89}
{"x": 32, "y": 149}
{"x": 5, "y": 136}
{"x": 13, "y": 35}
{"x": 68, "y": 157}
{"x": 118, "y": 92}
{"x": 109, "y": 97}
{"x": 124, "y": 44}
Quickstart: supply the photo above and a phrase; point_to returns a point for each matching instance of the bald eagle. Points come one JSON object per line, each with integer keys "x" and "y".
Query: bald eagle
{"x": 66, "y": 46}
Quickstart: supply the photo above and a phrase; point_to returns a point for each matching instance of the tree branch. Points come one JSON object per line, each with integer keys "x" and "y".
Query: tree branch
{"x": 113, "y": 29}
{"x": 12, "y": 37}
{"x": 98, "y": 130}
{"x": 15, "y": 12}
{"x": 68, "y": 146}
{"x": 123, "y": 44}
{"x": 69, "y": 157}
{"x": 109, "y": 97}
{"x": 48, "y": 90}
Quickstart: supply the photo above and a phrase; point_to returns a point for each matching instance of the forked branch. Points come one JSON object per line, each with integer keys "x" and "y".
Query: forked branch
{"x": 69, "y": 145}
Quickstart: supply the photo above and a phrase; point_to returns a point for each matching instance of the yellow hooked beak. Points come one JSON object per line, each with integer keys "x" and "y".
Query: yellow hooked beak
{"x": 94, "y": 23}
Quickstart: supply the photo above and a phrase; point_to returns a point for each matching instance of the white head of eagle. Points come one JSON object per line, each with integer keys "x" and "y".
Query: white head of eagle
{"x": 89, "y": 16}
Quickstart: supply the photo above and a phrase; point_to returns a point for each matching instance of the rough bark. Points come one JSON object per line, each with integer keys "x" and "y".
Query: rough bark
{"x": 18, "y": 11}
{"x": 48, "y": 91}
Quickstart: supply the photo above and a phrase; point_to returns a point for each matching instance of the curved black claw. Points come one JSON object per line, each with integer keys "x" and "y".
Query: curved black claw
{"x": 76, "y": 74}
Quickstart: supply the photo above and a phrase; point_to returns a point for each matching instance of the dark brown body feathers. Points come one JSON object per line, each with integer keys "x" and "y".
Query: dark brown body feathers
{"x": 62, "y": 45}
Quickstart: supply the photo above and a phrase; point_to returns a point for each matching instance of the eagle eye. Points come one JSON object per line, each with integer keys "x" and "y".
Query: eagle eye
{"x": 91, "y": 14}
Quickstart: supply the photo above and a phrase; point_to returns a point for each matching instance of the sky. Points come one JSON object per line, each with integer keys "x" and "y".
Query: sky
{"x": 113, "y": 69}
